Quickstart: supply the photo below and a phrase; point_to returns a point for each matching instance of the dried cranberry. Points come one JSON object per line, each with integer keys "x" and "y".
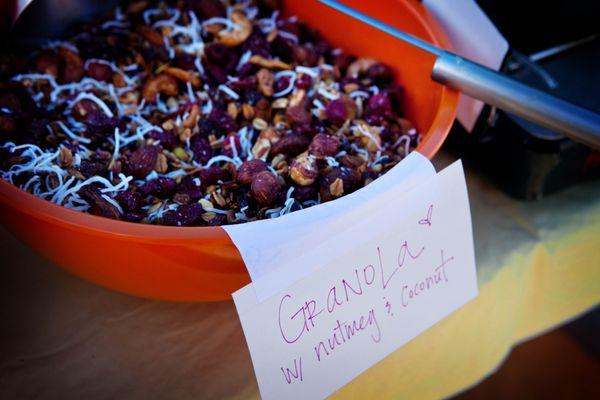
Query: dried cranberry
{"x": 305, "y": 55}
{"x": 134, "y": 216}
{"x": 231, "y": 145}
{"x": 141, "y": 162}
{"x": 336, "y": 111}
{"x": 167, "y": 138}
{"x": 209, "y": 127}
{"x": 185, "y": 61}
{"x": 223, "y": 120}
{"x": 212, "y": 175}
{"x": 380, "y": 74}
{"x": 130, "y": 200}
{"x": 100, "y": 124}
{"x": 218, "y": 220}
{"x": 342, "y": 61}
{"x": 257, "y": 44}
{"x": 304, "y": 81}
{"x": 191, "y": 187}
{"x": 281, "y": 83}
{"x": 209, "y": 8}
{"x": 8, "y": 124}
{"x": 215, "y": 73}
{"x": 159, "y": 187}
{"x": 379, "y": 106}
{"x": 249, "y": 169}
{"x": 221, "y": 55}
{"x": 185, "y": 215}
{"x": 304, "y": 193}
{"x": 99, "y": 71}
{"x": 201, "y": 148}
{"x": 282, "y": 48}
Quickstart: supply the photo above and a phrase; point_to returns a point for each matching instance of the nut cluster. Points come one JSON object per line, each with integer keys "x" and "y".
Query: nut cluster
{"x": 197, "y": 113}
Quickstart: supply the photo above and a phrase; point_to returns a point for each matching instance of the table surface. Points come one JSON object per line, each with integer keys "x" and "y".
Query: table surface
{"x": 538, "y": 265}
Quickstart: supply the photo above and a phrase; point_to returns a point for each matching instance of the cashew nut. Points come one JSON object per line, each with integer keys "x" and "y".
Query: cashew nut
{"x": 360, "y": 66}
{"x": 239, "y": 34}
{"x": 161, "y": 83}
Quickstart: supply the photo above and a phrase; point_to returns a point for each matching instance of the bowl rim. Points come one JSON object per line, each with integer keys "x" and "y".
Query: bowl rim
{"x": 27, "y": 203}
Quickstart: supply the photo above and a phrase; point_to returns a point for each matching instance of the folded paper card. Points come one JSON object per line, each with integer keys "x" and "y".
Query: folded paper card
{"x": 273, "y": 257}
{"x": 389, "y": 282}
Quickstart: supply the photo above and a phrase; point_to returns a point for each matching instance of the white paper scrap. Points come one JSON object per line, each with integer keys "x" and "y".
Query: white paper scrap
{"x": 313, "y": 337}
{"x": 276, "y": 256}
{"x": 473, "y": 36}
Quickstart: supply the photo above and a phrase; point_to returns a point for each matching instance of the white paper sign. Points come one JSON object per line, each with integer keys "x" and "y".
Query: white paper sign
{"x": 286, "y": 246}
{"x": 473, "y": 36}
{"x": 313, "y": 337}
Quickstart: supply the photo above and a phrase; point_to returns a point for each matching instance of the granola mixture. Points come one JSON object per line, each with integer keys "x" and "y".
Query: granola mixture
{"x": 194, "y": 113}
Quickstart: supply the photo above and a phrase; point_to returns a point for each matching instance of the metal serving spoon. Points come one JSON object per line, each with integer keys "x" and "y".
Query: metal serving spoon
{"x": 42, "y": 20}
{"x": 494, "y": 88}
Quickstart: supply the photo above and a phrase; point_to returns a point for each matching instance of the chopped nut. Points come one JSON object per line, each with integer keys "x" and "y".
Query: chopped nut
{"x": 232, "y": 110}
{"x": 350, "y": 87}
{"x": 270, "y": 134}
{"x": 280, "y": 103}
{"x": 162, "y": 164}
{"x": 259, "y": 124}
{"x": 368, "y": 136}
{"x": 297, "y": 97}
{"x": 184, "y": 76}
{"x": 304, "y": 170}
{"x": 268, "y": 63}
{"x": 180, "y": 153}
{"x": 265, "y": 82}
{"x": 192, "y": 118}
{"x": 206, "y": 204}
{"x": 168, "y": 125}
{"x": 65, "y": 157}
{"x": 207, "y": 216}
{"x": 247, "y": 111}
{"x": 219, "y": 199}
{"x": 261, "y": 148}
{"x": 337, "y": 188}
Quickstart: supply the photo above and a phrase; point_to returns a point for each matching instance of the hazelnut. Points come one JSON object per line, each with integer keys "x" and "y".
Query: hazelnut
{"x": 249, "y": 169}
{"x": 265, "y": 188}
{"x": 323, "y": 145}
{"x": 290, "y": 145}
{"x": 298, "y": 115}
{"x": 304, "y": 170}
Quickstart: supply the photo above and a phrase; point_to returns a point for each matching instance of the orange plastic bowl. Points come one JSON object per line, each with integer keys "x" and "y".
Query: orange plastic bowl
{"x": 202, "y": 264}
